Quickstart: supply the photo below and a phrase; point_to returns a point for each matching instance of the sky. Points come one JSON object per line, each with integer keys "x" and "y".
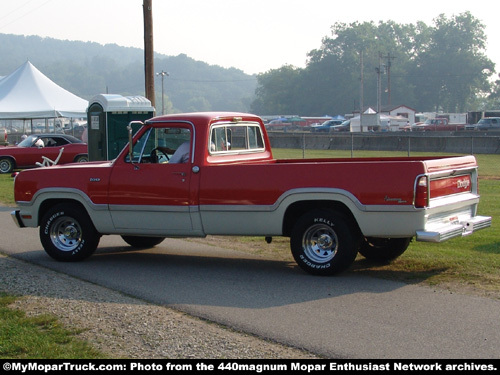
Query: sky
{"x": 252, "y": 35}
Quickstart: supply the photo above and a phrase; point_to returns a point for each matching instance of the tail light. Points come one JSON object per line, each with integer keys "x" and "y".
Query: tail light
{"x": 421, "y": 192}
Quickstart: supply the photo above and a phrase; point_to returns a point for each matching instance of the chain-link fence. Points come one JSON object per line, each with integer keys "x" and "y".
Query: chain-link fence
{"x": 407, "y": 143}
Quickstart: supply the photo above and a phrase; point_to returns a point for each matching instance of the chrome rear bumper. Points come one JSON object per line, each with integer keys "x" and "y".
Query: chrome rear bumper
{"x": 455, "y": 230}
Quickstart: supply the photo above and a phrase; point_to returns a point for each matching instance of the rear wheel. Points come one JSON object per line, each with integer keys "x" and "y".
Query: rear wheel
{"x": 383, "y": 249}
{"x": 67, "y": 233}
{"x": 141, "y": 242}
{"x": 324, "y": 242}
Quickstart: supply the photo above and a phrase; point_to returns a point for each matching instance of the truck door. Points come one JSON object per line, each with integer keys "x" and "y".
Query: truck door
{"x": 151, "y": 192}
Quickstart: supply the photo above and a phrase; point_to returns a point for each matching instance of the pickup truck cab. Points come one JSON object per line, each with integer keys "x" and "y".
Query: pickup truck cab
{"x": 227, "y": 182}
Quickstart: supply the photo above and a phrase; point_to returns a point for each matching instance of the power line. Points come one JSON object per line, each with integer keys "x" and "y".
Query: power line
{"x": 23, "y": 15}
{"x": 15, "y": 10}
{"x": 214, "y": 81}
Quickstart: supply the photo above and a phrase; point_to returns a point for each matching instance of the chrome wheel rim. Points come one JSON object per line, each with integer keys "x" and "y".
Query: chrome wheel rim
{"x": 320, "y": 243}
{"x": 66, "y": 234}
{"x": 5, "y": 166}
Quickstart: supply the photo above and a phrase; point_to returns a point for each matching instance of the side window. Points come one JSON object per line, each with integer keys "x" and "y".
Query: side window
{"x": 235, "y": 139}
{"x": 162, "y": 146}
{"x": 49, "y": 141}
{"x": 221, "y": 139}
{"x": 255, "y": 140}
{"x": 59, "y": 141}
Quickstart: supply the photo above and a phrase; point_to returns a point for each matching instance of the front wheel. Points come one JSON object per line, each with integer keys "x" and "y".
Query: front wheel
{"x": 324, "y": 242}
{"x": 67, "y": 233}
{"x": 6, "y": 165}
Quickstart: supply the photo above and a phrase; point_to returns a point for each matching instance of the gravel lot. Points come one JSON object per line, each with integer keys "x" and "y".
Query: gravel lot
{"x": 126, "y": 327}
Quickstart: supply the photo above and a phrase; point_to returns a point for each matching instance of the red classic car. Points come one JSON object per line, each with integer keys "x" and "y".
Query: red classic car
{"x": 32, "y": 150}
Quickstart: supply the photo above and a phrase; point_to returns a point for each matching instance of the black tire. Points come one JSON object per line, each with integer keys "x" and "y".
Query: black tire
{"x": 6, "y": 165}
{"x": 81, "y": 159}
{"x": 141, "y": 242}
{"x": 383, "y": 249}
{"x": 67, "y": 233}
{"x": 324, "y": 242}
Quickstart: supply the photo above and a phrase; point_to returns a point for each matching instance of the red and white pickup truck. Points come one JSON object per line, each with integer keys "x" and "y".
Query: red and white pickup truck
{"x": 228, "y": 183}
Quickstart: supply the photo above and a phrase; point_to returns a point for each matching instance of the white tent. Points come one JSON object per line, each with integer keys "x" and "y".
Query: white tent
{"x": 28, "y": 94}
{"x": 379, "y": 122}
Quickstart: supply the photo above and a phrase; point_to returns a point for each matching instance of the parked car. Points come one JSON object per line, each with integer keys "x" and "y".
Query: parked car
{"x": 325, "y": 126}
{"x": 278, "y": 124}
{"x": 487, "y": 123}
{"x": 412, "y": 127}
{"x": 345, "y": 126}
{"x": 32, "y": 150}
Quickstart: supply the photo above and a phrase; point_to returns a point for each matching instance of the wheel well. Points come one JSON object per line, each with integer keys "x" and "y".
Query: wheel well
{"x": 296, "y": 210}
{"x": 48, "y": 203}
{"x": 11, "y": 158}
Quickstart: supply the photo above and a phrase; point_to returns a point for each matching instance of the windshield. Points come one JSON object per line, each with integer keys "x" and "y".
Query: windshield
{"x": 28, "y": 142}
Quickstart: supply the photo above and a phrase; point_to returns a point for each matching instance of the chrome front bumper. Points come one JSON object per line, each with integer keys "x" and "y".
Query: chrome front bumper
{"x": 16, "y": 216}
{"x": 455, "y": 230}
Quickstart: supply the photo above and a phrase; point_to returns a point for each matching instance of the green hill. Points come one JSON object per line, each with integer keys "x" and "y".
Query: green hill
{"x": 87, "y": 69}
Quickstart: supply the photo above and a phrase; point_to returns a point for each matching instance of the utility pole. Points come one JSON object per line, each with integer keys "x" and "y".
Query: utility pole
{"x": 361, "y": 91}
{"x": 379, "y": 71}
{"x": 162, "y": 74}
{"x": 388, "y": 69}
{"x": 149, "y": 51}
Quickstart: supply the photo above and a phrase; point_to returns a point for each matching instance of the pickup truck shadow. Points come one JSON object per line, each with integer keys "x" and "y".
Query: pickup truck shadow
{"x": 375, "y": 269}
{"x": 233, "y": 279}
{"x": 166, "y": 276}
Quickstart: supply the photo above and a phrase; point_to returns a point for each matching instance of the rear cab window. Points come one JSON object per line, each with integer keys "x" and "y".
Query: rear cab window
{"x": 235, "y": 139}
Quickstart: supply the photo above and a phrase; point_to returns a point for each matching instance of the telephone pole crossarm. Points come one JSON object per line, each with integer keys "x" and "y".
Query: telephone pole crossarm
{"x": 389, "y": 58}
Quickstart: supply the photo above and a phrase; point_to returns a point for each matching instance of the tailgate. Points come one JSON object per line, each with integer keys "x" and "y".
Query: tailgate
{"x": 449, "y": 193}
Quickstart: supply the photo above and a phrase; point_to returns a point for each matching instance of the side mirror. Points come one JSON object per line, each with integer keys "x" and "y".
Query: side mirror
{"x": 130, "y": 145}
{"x": 130, "y": 139}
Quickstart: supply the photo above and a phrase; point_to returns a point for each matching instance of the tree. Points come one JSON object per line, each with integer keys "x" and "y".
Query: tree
{"x": 438, "y": 67}
{"x": 453, "y": 69}
{"x": 276, "y": 91}
{"x": 88, "y": 69}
